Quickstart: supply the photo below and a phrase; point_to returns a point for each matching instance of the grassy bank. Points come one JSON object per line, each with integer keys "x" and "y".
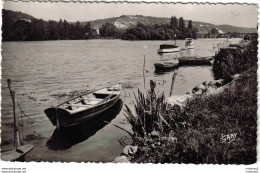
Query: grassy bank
{"x": 197, "y": 133}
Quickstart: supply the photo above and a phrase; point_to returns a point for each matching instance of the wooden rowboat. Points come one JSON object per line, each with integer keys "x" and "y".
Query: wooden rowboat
{"x": 166, "y": 64}
{"x": 168, "y": 48}
{"x": 83, "y": 107}
{"x": 195, "y": 60}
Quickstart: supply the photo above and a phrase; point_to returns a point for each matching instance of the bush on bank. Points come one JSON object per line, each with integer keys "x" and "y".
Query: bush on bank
{"x": 229, "y": 61}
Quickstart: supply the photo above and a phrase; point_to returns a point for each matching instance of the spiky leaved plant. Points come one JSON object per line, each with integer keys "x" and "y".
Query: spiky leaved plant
{"x": 149, "y": 114}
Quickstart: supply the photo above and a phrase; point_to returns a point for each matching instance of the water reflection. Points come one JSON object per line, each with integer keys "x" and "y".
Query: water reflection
{"x": 170, "y": 55}
{"x": 183, "y": 52}
{"x": 165, "y": 71}
{"x": 201, "y": 64}
{"x": 188, "y": 52}
{"x": 67, "y": 137}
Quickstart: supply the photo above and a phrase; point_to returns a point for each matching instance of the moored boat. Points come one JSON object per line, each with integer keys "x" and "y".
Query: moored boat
{"x": 167, "y": 48}
{"x": 195, "y": 60}
{"x": 166, "y": 64}
{"x": 189, "y": 43}
{"x": 79, "y": 109}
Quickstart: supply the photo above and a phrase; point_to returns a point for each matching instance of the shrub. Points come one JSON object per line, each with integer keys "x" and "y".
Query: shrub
{"x": 231, "y": 61}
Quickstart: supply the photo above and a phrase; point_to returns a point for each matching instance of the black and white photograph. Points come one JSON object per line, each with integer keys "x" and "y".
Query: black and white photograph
{"x": 127, "y": 82}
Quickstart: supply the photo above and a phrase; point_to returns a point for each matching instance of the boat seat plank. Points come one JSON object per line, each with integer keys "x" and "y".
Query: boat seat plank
{"x": 94, "y": 99}
{"x": 87, "y": 105}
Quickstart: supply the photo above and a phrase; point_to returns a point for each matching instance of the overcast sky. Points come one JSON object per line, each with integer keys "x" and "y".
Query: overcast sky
{"x": 236, "y": 15}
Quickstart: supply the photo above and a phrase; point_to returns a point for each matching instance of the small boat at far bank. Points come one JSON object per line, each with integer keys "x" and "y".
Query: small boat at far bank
{"x": 189, "y": 43}
{"x": 167, "y": 48}
{"x": 79, "y": 109}
{"x": 195, "y": 60}
{"x": 166, "y": 64}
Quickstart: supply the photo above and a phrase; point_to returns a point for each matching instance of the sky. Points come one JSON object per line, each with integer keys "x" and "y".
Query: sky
{"x": 243, "y": 15}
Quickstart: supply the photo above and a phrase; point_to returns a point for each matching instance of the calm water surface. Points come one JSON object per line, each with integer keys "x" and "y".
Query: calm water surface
{"x": 45, "y": 73}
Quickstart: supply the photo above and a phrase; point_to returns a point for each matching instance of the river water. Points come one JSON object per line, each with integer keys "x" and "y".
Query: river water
{"x": 46, "y": 73}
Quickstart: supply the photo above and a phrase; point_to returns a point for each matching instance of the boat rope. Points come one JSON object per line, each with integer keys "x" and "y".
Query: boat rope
{"x": 22, "y": 134}
{"x": 125, "y": 94}
{"x": 22, "y": 112}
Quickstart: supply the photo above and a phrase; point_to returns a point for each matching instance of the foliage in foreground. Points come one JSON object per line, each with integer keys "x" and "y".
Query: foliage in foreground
{"x": 194, "y": 133}
{"x": 229, "y": 61}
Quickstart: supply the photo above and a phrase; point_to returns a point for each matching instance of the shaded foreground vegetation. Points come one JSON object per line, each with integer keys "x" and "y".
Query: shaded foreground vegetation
{"x": 195, "y": 133}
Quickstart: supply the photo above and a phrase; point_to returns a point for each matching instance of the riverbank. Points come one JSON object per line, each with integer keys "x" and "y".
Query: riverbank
{"x": 38, "y": 88}
{"x": 217, "y": 127}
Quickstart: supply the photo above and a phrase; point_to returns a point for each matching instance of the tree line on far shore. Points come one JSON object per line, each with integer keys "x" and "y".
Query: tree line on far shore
{"x": 176, "y": 29}
{"x": 37, "y": 29}
{"x": 18, "y": 26}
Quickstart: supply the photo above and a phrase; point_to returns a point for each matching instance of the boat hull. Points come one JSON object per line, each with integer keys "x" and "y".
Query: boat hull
{"x": 161, "y": 66}
{"x": 190, "y": 47}
{"x": 168, "y": 50}
{"x": 67, "y": 119}
{"x": 84, "y": 107}
{"x": 195, "y": 60}
{"x": 166, "y": 64}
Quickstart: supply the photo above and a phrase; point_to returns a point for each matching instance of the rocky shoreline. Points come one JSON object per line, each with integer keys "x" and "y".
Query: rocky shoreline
{"x": 205, "y": 89}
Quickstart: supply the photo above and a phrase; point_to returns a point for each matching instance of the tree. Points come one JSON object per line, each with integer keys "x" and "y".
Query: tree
{"x": 20, "y": 30}
{"x": 38, "y": 30}
{"x": 87, "y": 27}
{"x": 195, "y": 30}
{"x": 213, "y": 31}
{"x": 79, "y": 33}
{"x": 66, "y": 29}
{"x": 181, "y": 25}
{"x": 190, "y": 25}
{"x": 108, "y": 30}
{"x": 174, "y": 23}
{"x": 156, "y": 26}
{"x": 53, "y": 30}
{"x": 89, "y": 32}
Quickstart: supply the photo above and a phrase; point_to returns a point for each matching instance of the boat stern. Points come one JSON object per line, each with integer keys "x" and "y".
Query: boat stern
{"x": 52, "y": 114}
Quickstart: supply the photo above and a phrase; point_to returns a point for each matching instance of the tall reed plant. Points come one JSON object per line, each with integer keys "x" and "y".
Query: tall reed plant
{"x": 152, "y": 116}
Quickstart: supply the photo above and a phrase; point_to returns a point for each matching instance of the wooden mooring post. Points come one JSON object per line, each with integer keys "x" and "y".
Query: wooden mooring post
{"x": 17, "y": 140}
{"x": 173, "y": 80}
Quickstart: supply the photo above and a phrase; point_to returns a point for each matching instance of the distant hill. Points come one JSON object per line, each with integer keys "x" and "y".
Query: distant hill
{"x": 18, "y": 26}
{"x": 13, "y": 16}
{"x": 126, "y": 21}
